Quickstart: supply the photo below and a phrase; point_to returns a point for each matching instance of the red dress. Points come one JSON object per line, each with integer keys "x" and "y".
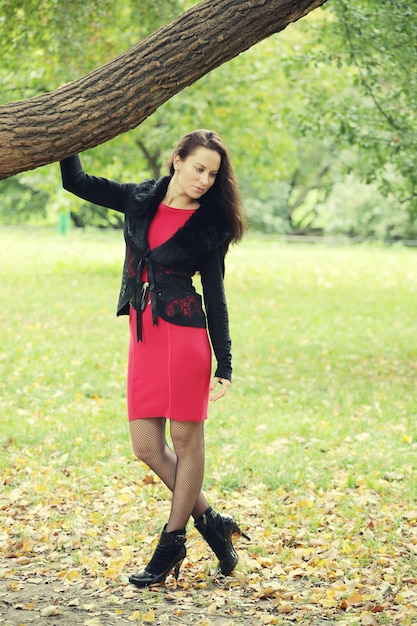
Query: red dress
{"x": 169, "y": 370}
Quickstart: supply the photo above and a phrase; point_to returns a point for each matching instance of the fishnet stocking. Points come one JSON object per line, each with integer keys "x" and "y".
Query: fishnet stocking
{"x": 180, "y": 469}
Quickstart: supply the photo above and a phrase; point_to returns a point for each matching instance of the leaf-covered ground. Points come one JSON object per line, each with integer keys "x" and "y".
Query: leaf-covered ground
{"x": 316, "y": 558}
{"x": 313, "y": 451}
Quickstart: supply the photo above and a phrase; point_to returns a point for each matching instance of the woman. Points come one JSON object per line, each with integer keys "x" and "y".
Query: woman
{"x": 174, "y": 228}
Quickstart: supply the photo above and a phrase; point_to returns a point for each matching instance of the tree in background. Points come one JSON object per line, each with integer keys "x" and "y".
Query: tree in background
{"x": 45, "y": 43}
{"x": 122, "y": 155}
{"x": 121, "y": 94}
{"x": 371, "y": 120}
{"x": 312, "y": 115}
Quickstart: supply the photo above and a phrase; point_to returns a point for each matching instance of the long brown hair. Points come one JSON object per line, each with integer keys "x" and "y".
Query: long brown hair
{"x": 225, "y": 190}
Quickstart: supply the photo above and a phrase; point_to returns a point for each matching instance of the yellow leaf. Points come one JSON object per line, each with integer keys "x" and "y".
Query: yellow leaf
{"x": 126, "y": 498}
{"x": 266, "y": 619}
{"x": 355, "y": 598}
{"x": 135, "y": 617}
{"x": 127, "y": 552}
{"x": 110, "y": 573}
{"x": 149, "y": 616}
{"x": 329, "y": 602}
{"x": 73, "y": 575}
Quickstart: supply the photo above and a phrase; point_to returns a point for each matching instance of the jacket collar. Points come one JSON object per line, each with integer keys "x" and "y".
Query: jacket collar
{"x": 205, "y": 230}
{"x": 141, "y": 210}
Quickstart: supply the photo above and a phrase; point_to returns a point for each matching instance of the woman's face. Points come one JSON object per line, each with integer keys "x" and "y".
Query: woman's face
{"x": 196, "y": 174}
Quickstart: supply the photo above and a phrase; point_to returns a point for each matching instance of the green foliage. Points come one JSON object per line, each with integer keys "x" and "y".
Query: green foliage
{"x": 326, "y": 102}
{"x": 371, "y": 44}
{"x": 21, "y": 202}
{"x": 360, "y": 210}
{"x": 47, "y": 42}
{"x": 242, "y": 101}
{"x": 268, "y": 211}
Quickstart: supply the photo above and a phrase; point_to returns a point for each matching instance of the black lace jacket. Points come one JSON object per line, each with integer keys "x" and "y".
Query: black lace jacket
{"x": 198, "y": 246}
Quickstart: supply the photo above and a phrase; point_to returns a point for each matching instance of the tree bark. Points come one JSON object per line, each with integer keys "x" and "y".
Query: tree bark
{"x": 120, "y": 95}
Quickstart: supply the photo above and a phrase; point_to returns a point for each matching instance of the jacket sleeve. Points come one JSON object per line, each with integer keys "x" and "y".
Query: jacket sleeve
{"x": 212, "y": 275}
{"x": 100, "y": 191}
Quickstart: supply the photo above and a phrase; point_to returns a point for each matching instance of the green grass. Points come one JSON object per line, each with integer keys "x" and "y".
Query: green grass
{"x": 325, "y": 362}
{"x": 314, "y": 448}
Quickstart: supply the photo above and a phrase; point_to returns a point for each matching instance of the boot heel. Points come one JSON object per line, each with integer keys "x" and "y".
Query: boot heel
{"x": 234, "y": 528}
{"x": 218, "y": 531}
{"x": 241, "y": 533}
{"x": 177, "y": 569}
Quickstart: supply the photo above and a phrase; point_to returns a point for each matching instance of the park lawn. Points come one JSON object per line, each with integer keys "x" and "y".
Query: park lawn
{"x": 313, "y": 450}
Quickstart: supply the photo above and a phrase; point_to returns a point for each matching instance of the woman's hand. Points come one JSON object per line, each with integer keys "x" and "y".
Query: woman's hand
{"x": 224, "y": 385}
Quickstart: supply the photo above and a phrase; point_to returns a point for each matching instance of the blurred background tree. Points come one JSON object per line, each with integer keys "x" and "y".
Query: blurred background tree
{"x": 370, "y": 119}
{"x": 320, "y": 119}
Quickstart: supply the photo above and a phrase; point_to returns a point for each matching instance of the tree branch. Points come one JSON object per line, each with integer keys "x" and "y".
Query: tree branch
{"x": 151, "y": 159}
{"x": 123, "y": 93}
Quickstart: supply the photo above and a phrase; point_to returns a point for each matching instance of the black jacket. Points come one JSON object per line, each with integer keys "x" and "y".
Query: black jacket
{"x": 199, "y": 246}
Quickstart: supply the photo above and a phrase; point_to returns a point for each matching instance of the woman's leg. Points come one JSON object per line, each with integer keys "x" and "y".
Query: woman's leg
{"x": 188, "y": 442}
{"x": 150, "y": 446}
{"x": 182, "y": 472}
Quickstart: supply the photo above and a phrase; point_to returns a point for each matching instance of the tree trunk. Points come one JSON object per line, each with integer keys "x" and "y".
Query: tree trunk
{"x": 120, "y": 95}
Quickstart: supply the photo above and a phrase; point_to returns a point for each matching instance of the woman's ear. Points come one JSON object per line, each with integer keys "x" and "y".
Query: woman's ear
{"x": 176, "y": 161}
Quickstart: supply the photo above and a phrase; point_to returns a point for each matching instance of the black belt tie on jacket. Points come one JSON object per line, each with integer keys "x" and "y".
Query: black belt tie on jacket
{"x": 142, "y": 291}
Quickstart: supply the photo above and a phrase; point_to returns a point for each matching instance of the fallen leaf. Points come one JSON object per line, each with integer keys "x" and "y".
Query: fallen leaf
{"x": 14, "y": 586}
{"x": 94, "y": 621}
{"x": 149, "y": 616}
{"x": 136, "y": 616}
{"x": 50, "y": 611}
{"x": 355, "y": 598}
{"x": 285, "y": 607}
{"x": 368, "y": 620}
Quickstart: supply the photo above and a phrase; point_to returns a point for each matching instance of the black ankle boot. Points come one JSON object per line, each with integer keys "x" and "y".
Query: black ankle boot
{"x": 218, "y": 530}
{"x": 169, "y": 553}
